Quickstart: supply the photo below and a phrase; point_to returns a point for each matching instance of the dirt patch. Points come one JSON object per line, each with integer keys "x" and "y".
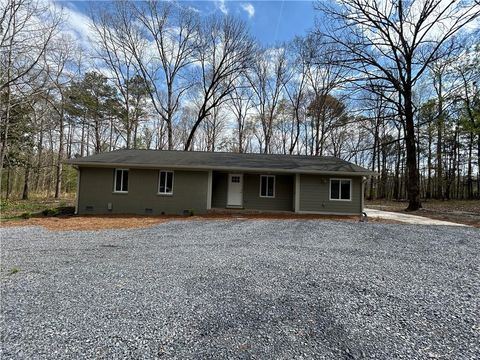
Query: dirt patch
{"x": 466, "y": 218}
{"x": 130, "y": 221}
{"x": 458, "y": 211}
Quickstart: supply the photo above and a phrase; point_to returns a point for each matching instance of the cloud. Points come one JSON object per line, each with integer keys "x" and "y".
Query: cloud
{"x": 194, "y": 9}
{"x": 249, "y": 9}
{"x": 220, "y": 4}
{"x": 75, "y": 24}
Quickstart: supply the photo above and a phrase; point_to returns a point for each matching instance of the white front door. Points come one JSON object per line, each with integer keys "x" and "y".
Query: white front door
{"x": 235, "y": 190}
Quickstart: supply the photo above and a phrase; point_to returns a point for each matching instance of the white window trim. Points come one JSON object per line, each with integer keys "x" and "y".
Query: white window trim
{"x": 274, "y": 186}
{"x": 121, "y": 182}
{"x": 173, "y": 180}
{"x": 339, "y": 190}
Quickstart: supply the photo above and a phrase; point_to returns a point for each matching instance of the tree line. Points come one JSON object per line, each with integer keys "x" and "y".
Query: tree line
{"x": 393, "y": 87}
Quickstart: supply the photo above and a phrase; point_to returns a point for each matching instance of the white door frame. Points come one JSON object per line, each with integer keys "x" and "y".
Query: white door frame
{"x": 229, "y": 200}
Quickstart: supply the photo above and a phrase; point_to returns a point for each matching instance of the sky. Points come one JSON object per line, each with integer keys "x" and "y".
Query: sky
{"x": 270, "y": 22}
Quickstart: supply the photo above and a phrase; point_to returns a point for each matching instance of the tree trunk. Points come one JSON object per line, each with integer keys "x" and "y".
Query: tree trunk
{"x": 87, "y": 143}
{"x": 439, "y": 174}
{"x": 428, "y": 194}
{"x": 396, "y": 186}
{"x": 478, "y": 168}
{"x": 82, "y": 142}
{"x": 39, "y": 155}
{"x": 240, "y": 135}
{"x": 374, "y": 153}
{"x": 70, "y": 140}
{"x": 379, "y": 167}
{"x": 294, "y": 141}
{"x": 26, "y": 182}
{"x": 413, "y": 193}
{"x": 98, "y": 140}
{"x": 384, "y": 176}
{"x": 59, "y": 168}
{"x": 4, "y": 141}
{"x": 3, "y": 149}
{"x": 170, "y": 136}
{"x": 470, "y": 169}
{"x": 7, "y": 190}
{"x": 135, "y": 134}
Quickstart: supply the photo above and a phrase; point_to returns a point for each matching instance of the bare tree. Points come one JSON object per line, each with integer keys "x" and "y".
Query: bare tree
{"x": 468, "y": 71}
{"x": 224, "y": 53}
{"x": 111, "y": 29}
{"x": 296, "y": 86}
{"x": 59, "y": 57}
{"x": 213, "y": 126}
{"x": 324, "y": 75}
{"x": 26, "y": 29}
{"x": 173, "y": 31}
{"x": 267, "y": 79}
{"x": 396, "y": 41}
{"x": 240, "y": 104}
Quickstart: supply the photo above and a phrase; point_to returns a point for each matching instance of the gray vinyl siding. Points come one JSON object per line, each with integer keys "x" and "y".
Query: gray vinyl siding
{"x": 190, "y": 193}
{"x": 283, "y": 200}
{"x": 314, "y": 195}
{"x": 96, "y": 191}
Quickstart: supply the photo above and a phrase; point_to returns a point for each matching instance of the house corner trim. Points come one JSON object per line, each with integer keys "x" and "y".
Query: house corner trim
{"x": 209, "y": 190}
{"x": 297, "y": 193}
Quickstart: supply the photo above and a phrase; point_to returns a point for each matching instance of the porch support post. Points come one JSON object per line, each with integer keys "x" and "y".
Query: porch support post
{"x": 297, "y": 193}
{"x": 209, "y": 190}
{"x": 77, "y": 197}
{"x": 362, "y": 203}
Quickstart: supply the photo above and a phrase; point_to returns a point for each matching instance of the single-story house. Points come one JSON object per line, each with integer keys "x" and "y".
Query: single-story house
{"x": 177, "y": 182}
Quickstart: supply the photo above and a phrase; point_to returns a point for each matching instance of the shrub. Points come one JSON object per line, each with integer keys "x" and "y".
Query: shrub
{"x": 26, "y": 215}
{"x": 51, "y": 212}
{"x": 188, "y": 212}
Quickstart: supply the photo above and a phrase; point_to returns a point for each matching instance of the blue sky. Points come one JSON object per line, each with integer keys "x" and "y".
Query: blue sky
{"x": 271, "y": 22}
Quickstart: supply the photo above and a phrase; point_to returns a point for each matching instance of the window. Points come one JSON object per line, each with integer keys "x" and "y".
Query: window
{"x": 235, "y": 179}
{"x": 121, "y": 181}
{"x": 165, "y": 183}
{"x": 340, "y": 189}
{"x": 267, "y": 186}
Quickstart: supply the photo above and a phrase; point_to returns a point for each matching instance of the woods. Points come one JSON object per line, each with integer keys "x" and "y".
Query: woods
{"x": 392, "y": 86}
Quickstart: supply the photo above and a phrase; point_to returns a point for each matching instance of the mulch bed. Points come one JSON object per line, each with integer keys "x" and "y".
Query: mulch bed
{"x": 101, "y": 222}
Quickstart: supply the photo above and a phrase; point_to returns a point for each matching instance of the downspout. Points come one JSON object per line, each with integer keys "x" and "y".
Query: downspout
{"x": 364, "y": 180}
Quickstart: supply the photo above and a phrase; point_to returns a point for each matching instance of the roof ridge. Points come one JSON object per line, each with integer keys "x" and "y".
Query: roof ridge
{"x": 230, "y": 153}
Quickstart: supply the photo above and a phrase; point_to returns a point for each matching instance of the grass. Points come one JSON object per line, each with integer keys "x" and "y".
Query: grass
{"x": 8, "y": 272}
{"x": 13, "y": 270}
{"x": 22, "y": 209}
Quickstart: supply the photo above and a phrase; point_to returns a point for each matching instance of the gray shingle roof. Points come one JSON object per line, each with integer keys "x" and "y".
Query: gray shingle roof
{"x": 221, "y": 161}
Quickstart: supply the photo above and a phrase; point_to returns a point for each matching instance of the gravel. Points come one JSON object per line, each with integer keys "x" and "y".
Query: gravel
{"x": 241, "y": 289}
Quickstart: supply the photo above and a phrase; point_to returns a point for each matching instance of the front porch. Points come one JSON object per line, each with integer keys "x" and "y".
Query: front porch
{"x": 248, "y": 191}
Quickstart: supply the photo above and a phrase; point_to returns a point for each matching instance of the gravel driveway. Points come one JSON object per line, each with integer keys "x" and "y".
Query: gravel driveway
{"x": 242, "y": 289}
